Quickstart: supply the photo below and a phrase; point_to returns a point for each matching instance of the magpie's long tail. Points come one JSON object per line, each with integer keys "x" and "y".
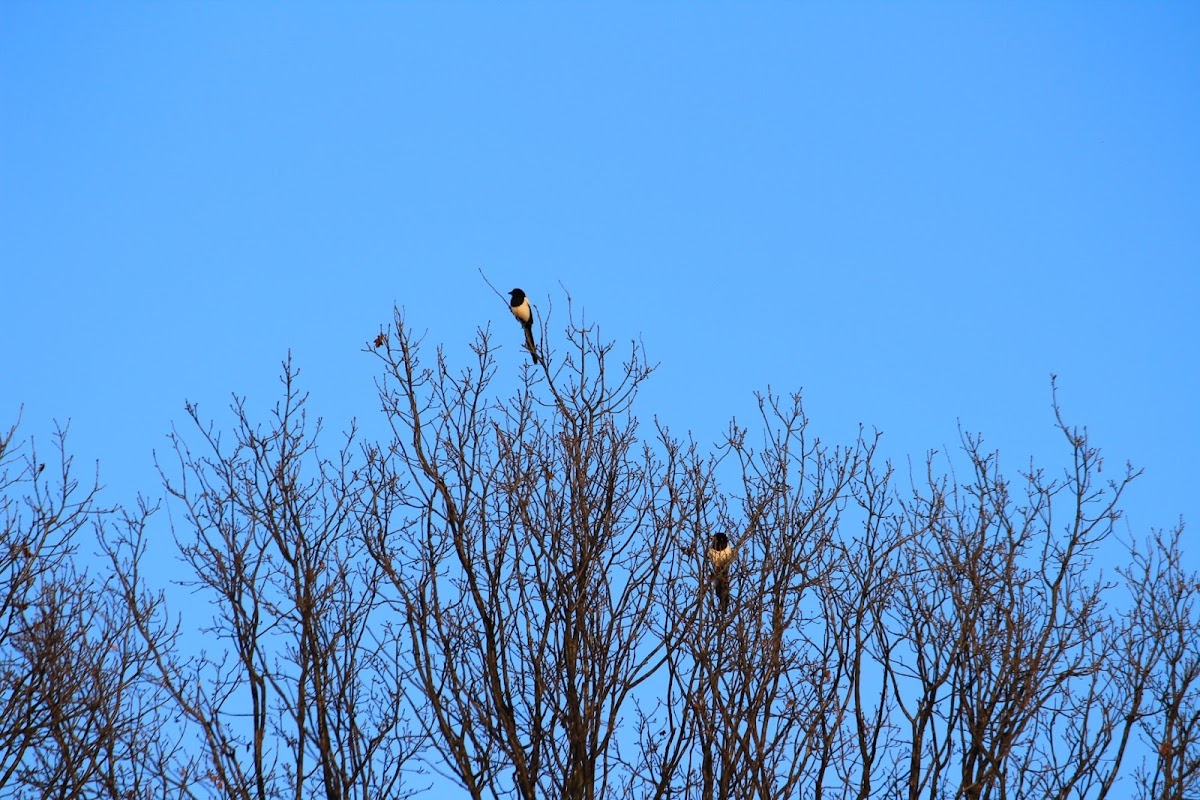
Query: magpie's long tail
{"x": 721, "y": 588}
{"x": 529, "y": 343}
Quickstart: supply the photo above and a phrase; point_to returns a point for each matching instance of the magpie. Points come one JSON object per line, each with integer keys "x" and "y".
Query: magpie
{"x": 721, "y": 555}
{"x": 520, "y": 308}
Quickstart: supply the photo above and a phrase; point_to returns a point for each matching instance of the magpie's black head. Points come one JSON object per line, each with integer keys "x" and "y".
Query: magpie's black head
{"x": 518, "y": 297}
{"x": 720, "y": 541}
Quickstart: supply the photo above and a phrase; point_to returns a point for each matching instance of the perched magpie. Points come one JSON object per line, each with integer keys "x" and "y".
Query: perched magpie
{"x": 721, "y": 555}
{"x": 519, "y": 306}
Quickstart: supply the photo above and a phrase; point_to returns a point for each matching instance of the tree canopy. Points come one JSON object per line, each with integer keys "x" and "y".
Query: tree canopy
{"x": 531, "y": 592}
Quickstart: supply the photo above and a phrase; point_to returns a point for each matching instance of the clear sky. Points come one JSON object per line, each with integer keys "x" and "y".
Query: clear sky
{"x": 913, "y": 212}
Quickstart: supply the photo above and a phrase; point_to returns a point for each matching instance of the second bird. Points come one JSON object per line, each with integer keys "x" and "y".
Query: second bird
{"x": 519, "y": 306}
{"x": 721, "y": 555}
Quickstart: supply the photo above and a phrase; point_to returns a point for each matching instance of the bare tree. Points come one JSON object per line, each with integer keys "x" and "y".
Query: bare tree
{"x": 1005, "y": 658}
{"x": 76, "y": 719}
{"x": 764, "y": 679}
{"x": 1162, "y": 645}
{"x": 531, "y": 560}
{"x": 294, "y": 693}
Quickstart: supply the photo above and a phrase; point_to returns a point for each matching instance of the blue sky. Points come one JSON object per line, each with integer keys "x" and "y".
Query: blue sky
{"x": 915, "y": 214}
